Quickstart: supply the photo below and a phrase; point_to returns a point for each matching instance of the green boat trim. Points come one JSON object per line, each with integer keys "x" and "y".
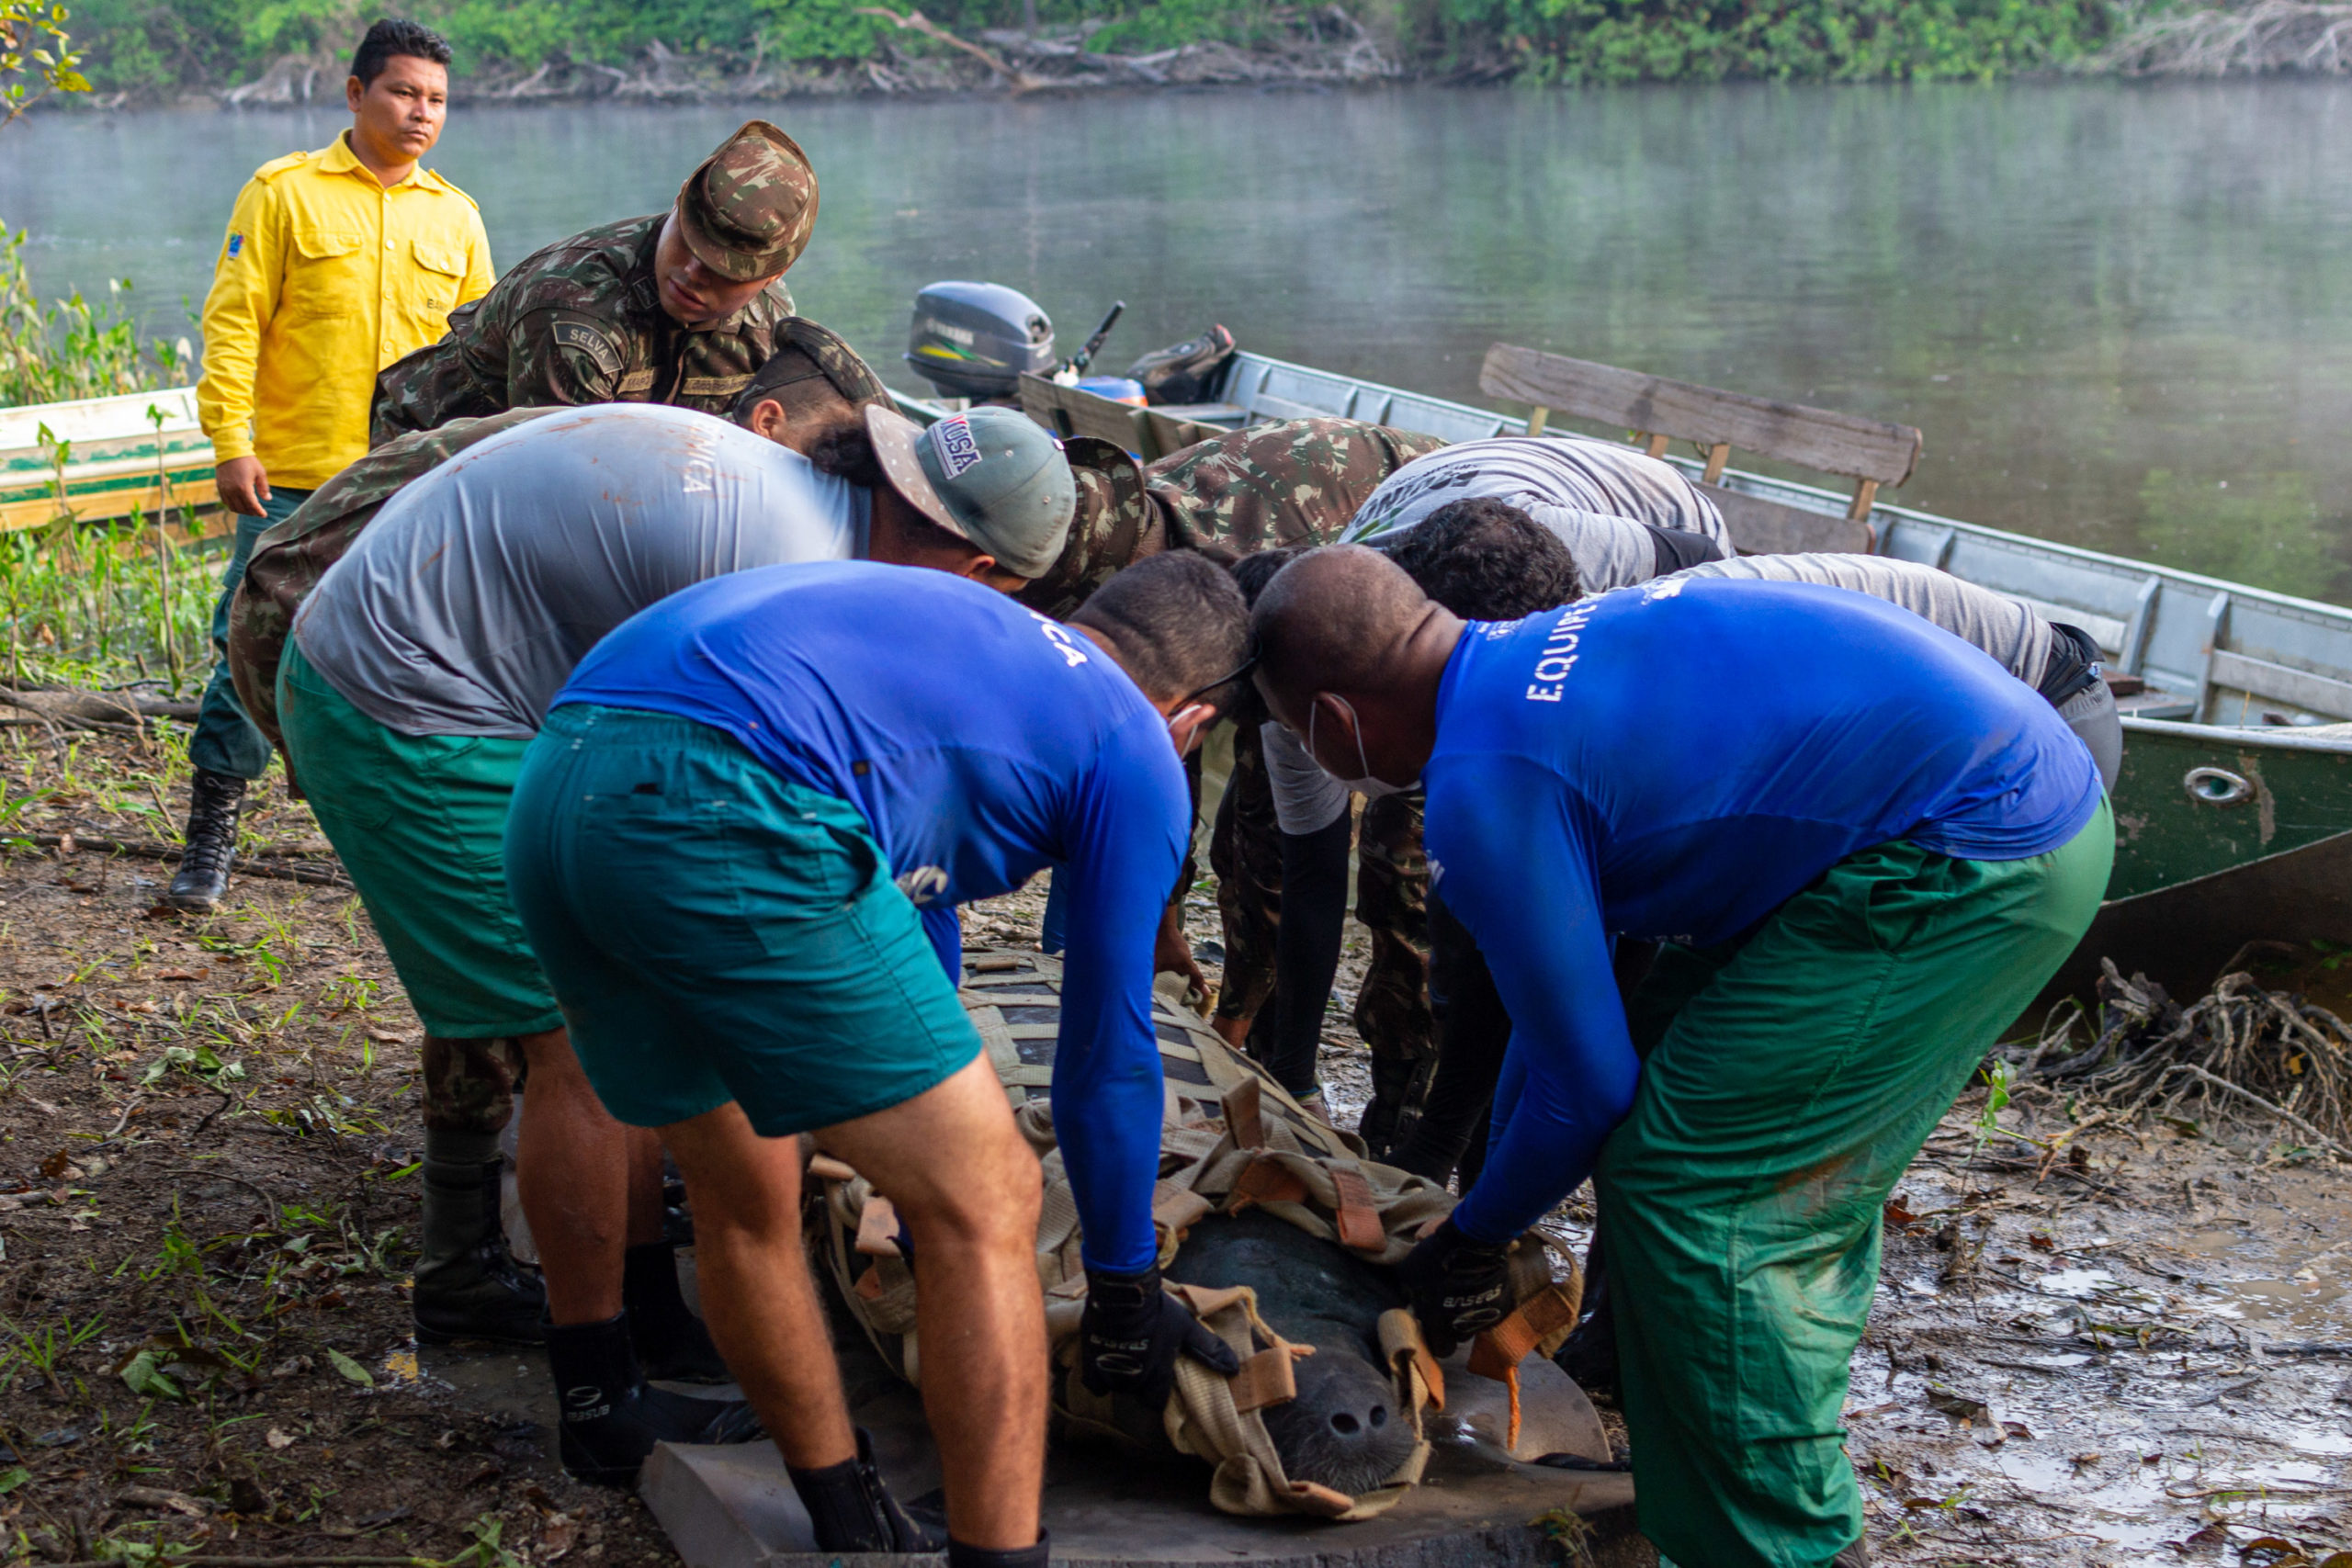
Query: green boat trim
{"x": 113, "y": 447}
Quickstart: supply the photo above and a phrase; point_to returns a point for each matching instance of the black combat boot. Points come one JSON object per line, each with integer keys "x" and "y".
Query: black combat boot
{"x": 203, "y": 875}
{"x": 612, "y": 1416}
{"x": 671, "y": 1343}
{"x": 1399, "y": 1084}
{"x": 852, "y": 1510}
{"x": 468, "y": 1285}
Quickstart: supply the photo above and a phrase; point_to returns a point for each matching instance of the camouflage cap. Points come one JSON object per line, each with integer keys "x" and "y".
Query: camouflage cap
{"x": 805, "y": 350}
{"x": 747, "y": 211}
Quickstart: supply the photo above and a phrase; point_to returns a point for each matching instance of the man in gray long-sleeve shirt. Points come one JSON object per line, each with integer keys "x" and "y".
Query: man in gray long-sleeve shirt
{"x": 419, "y": 669}
{"x": 1625, "y": 517}
{"x": 2056, "y": 659}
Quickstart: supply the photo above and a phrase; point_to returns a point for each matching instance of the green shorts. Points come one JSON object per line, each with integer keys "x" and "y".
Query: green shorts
{"x": 418, "y": 820}
{"x": 716, "y": 932}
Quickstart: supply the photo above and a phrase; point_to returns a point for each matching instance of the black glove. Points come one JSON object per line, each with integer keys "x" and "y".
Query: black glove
{"x": 1458, "y": 1287}
{"x": 1132, "y": 1333}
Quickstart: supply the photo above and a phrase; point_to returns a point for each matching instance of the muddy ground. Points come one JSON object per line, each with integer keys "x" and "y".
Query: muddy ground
{"x": 2135, "y": 1351}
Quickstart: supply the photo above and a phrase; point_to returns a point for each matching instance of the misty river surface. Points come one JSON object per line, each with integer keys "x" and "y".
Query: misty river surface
{"x": 2122, "y": 313}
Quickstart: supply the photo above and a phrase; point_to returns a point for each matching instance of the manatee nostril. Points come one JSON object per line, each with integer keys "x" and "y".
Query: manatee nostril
{"x": 1379, "y": 1417}
{"x": 1345, "y": 1424}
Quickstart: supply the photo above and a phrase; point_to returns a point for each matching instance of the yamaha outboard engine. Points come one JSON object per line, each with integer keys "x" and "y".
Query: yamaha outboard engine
{"x": 974, "y": 340}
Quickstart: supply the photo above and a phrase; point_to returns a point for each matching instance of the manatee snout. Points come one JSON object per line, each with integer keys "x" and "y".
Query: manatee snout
{"x": 1343, "y": 1430}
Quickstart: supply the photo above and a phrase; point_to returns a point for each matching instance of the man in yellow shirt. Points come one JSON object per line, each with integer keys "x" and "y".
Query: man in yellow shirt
{"x": 337, "y": 264}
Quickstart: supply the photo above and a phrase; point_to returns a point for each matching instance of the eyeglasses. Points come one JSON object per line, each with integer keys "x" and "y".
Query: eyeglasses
{"x": 1189, "y": 698}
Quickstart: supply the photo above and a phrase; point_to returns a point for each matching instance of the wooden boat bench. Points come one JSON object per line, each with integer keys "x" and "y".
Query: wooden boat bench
{"x": 1868, "y": 452}
{"x": 1150, "y": 434}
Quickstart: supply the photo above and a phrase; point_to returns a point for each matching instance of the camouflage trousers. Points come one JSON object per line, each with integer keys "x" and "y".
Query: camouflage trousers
{"x": 1392, "y": 1011}
{"x": 469, "y": 1085}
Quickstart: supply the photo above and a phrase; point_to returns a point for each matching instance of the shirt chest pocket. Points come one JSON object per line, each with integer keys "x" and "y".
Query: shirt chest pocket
{"x": 324, "y": 270}
{"x": 440, "y": 272}
{"x": 422, "y": 292}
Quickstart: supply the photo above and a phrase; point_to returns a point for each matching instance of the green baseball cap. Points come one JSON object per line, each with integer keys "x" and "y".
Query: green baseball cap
{"x": 992, "y": 476}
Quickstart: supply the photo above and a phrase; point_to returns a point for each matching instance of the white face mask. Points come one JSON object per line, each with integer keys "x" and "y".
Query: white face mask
{"x": 1369, "y": 788}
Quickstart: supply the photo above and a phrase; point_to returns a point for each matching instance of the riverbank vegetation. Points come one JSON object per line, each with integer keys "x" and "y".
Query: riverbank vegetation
{"x": 290, "y": 50}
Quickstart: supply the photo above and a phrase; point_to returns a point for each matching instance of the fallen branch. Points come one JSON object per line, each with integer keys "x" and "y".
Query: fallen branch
{"x": 2192, "y": 1071}
{"x": 2241, "y": 1047}
{"x": 2265, "y": 37}
{"x": 149, "y": 849}
{"x": 915, "y": 21}
{"x": 205, "y": 1561}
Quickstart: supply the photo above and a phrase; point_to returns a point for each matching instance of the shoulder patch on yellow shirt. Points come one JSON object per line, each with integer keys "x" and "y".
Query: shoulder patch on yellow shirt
{"x": 278, "y": 166}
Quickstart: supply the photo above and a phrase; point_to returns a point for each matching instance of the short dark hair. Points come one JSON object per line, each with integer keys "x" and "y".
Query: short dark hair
{"x": 1177, "y": 623}
{"x": 391, "y": 36}
{"x": 1253, "y": 571}
{"x": 790, "y": 377}
{"x": 1486, "y": 561}
{"x": 846, "y": 452}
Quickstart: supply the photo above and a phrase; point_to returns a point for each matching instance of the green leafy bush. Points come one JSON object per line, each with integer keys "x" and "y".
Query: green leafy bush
{"x": 1706, "y": 40}
{"x": 151, "y": 46}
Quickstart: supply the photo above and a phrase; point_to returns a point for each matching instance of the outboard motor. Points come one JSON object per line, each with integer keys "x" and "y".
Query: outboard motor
{"x": 974, "y": 340}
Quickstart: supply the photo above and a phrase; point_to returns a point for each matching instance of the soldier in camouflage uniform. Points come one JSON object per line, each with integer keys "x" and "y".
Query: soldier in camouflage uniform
{"x": 679, "y": 308}
{"x": 1295, "y": 483}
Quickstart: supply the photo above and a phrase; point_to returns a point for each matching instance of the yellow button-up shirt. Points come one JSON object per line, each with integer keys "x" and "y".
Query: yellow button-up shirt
{"x": 326, "y": 277}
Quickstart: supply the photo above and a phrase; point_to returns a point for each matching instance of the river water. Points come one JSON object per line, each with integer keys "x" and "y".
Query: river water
{"x": 2121, "y": 313}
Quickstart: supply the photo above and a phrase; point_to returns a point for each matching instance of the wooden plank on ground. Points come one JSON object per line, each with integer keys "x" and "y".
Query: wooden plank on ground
{"x": 1816, "y": 438}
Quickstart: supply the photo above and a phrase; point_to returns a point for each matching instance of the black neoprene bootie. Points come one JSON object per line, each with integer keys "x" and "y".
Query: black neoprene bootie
{"x": 203, "y": 875}
{"x": 468, "y": 1285}
{"x": 962, "y": 1556}
{"x": 611, "y": 1417}
{"x": 671, "y": 1343}
{"x": 851, "y": 1510}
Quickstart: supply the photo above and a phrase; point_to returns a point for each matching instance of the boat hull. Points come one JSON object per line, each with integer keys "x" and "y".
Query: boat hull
{"x": 2223, "y": 837}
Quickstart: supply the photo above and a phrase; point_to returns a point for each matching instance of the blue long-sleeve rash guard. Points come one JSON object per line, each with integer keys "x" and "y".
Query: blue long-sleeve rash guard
{"x": 982, "y": 742}
{"x": 1674, "y": 761}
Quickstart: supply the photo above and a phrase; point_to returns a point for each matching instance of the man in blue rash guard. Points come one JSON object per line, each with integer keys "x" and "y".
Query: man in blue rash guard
{"x": 718, "y": 846}
{"x": 1866, "y": 845}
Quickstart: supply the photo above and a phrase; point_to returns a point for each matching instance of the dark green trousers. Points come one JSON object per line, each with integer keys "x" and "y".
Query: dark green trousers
{"x": 1787, "y": 1082}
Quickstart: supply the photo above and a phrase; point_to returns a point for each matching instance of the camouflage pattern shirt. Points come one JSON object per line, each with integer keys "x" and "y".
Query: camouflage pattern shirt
{"x": 1297, "y": 482}
{"x": 578, "y": 322}
{"x": 290, "y": 556}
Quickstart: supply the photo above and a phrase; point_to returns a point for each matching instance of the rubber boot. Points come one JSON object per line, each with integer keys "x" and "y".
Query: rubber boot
{"x": 671, "y": 1343}
{"x": 612, "y": 1416}
{"x": 467, "y": 1286}
{"x": 852, "y": 1510}
{"x": 203, "y": 875}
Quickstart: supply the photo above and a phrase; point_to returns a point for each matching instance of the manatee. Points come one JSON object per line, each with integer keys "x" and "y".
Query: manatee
{"x": 1345, "y": 1430}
